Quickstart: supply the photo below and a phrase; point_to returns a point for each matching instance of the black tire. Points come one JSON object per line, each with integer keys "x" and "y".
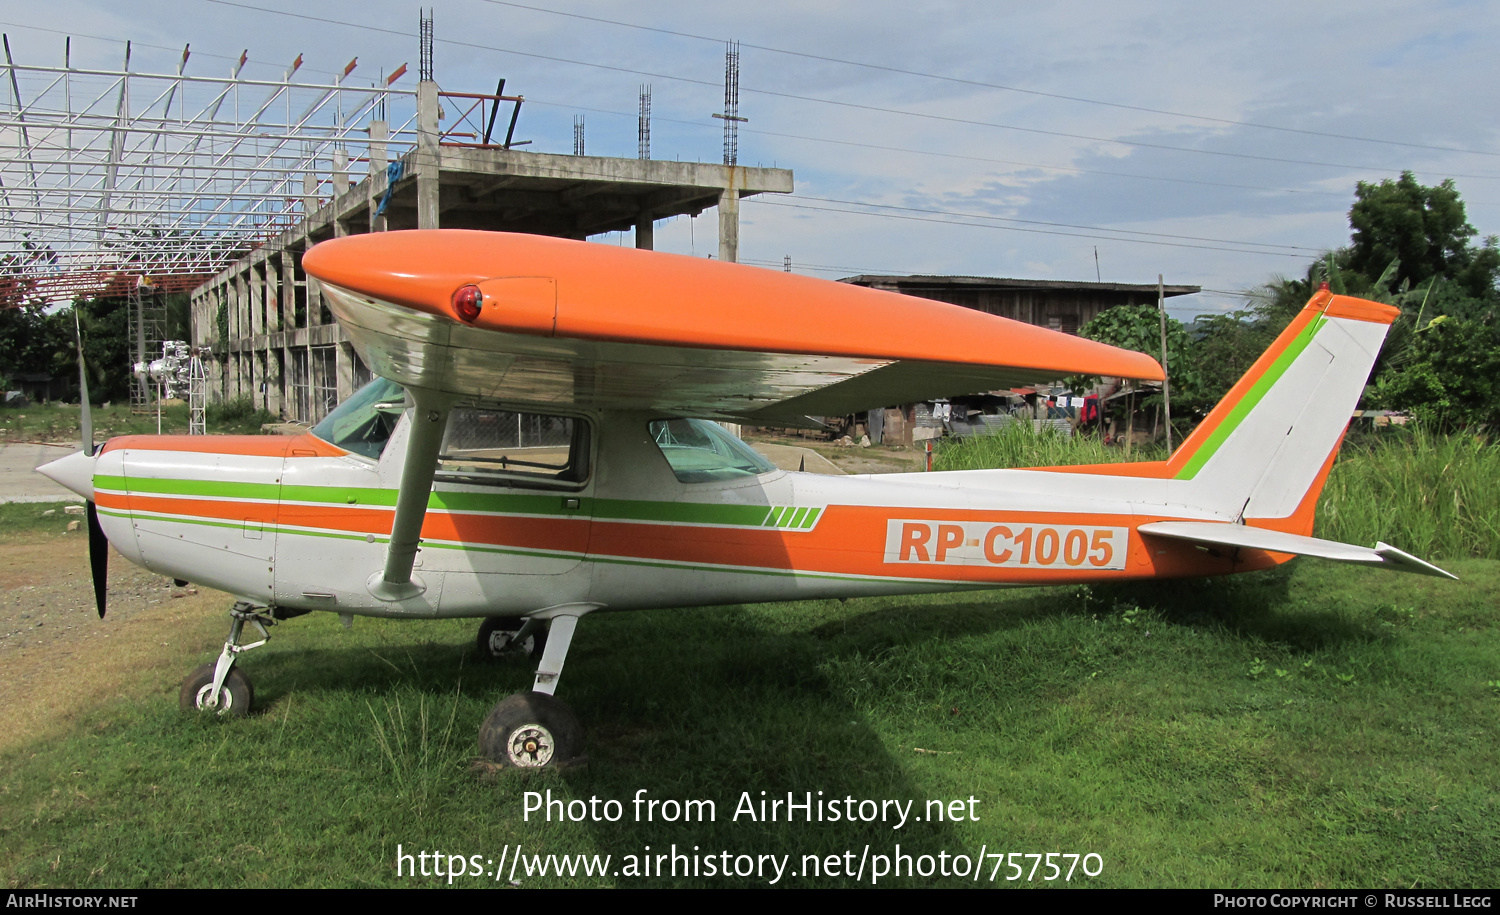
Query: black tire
{"x": 531, "y": 731}
{"x": 235, "y": 699}
{"x": 495, "y": 641}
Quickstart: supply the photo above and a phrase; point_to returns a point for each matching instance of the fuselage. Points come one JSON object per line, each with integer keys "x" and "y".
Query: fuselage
{"x": 299, "y": 523}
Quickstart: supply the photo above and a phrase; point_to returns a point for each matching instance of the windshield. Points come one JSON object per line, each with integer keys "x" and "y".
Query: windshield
{"x": 364, "y": 423}
{"x": 703, "y": 452}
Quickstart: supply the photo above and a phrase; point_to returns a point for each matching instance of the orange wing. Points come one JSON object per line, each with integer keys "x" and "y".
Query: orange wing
{"x": 600, "y": 325}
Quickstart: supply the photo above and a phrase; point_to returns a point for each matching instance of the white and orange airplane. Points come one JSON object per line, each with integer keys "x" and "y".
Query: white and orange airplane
{"x": 535, "y": 449}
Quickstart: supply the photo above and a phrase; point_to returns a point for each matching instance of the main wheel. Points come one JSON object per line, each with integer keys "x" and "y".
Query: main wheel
{"x": 235, "y": 699}
{"x": 497, "y": 639}
{"x": 531, "y": 731}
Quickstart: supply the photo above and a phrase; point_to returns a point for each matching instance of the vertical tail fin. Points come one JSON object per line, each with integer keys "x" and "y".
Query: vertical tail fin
{"x": 1264, "y": 451}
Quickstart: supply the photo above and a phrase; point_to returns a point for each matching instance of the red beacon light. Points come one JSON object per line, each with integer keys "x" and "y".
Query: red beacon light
{"x": 467, "y": 302}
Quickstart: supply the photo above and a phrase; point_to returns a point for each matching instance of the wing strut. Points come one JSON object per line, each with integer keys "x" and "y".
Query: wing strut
{"x": 424, "y": 439}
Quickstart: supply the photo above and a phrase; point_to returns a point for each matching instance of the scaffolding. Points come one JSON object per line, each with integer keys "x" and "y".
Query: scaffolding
{"x": 147, "y": 327}
{"x": 108, "y": 176}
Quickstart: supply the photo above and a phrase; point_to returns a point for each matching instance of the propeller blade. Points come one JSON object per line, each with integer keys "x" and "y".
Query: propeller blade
{"x": 98, "y": 556}
{"x": 85, "y": 411}
{"x": 98, "y": 543}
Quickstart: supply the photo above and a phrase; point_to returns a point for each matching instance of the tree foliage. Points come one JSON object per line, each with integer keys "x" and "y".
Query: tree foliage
{"x": 1425, "y": 230}
{"x": 1138, "y": 327}
{"x": 1452, "y": 378}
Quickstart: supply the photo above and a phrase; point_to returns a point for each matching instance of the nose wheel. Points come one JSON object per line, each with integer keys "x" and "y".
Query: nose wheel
{"x": 235, "y": 699}
{"x": 220, "y": 687}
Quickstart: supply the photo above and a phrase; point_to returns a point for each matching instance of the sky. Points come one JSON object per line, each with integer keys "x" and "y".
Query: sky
{"x": 1217, "y": 145}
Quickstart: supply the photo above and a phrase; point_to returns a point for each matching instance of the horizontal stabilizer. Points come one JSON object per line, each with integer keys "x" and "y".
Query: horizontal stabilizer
{"x": 1220, "y": 533}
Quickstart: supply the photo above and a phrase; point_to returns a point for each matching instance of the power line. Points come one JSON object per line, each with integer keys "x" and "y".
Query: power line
{"x": 1036, "y": 231}
{"x": 158, "y": 47}
{"x": 1059, "y": 225}
{"x": 988, "y": 85}
{"x": 959, "y": 156}
{"x": 842, "y": 104}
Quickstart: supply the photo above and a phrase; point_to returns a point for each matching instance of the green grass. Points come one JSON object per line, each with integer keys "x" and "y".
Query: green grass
{"x": 27, "y": 519}
{"x": 1318, "y": 725}
{"x": 59, "y": 422}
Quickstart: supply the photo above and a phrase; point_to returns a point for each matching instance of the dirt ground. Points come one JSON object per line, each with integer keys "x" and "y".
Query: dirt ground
{"x": 854, "y": 459}
{"x": 57, "y": 658}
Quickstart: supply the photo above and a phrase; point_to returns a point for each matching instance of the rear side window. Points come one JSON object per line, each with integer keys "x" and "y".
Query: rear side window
{"x": 506, "y": 447}
{"x": 704, "y": 452}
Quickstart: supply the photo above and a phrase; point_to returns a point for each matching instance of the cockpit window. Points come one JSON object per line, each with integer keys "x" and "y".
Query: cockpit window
{"x": 364, "y": 423}
{"x": 704, "y": 452}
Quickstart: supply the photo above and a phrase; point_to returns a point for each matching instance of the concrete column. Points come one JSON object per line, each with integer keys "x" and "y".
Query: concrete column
{"x": 314, "y": 292}
{"x": 645, "y": 231}
{"x": 729, "y": 224}
{"x": 340, "y": 188}
{"x": 274, "y": 320}
{"x": 309, "y": 195}
{"x": 257, "y": 300}
{"x": 426, "y": 157}
{"x": 258, "y": 359}
{"x": 343, "y": 363}
{"x": 237, "y": 322}
{"x": 275, "y": 382}
{"x": 378, "y": 163}
{"x": 287, "y": 284}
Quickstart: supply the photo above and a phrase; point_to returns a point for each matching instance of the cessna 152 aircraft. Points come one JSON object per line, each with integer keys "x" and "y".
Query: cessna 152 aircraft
{"x": 536, "y": 449}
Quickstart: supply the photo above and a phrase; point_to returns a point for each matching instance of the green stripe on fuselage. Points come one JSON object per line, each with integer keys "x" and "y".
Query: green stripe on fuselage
{"x": 502, "y": 503}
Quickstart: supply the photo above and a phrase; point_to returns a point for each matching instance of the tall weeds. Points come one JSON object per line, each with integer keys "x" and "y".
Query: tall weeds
{"x": 1437, "y": 496}
{"x": 1017, "y": 445}
{"x": 418, "y": 749}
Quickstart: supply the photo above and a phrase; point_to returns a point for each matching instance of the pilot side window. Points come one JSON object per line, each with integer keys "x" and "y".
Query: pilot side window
{"x": 516, "y": 449}
{"x": 363, "y": 423}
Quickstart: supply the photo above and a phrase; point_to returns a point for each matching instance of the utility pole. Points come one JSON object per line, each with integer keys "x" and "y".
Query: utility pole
{"x": 1166, "y": 390}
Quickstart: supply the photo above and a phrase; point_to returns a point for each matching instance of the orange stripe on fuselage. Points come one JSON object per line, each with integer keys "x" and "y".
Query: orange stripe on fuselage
{"x": 304, "y": 445}
{"x": 851, "y": 540}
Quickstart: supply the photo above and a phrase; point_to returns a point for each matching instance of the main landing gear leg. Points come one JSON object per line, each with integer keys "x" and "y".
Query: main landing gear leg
{"x": 219, "y": 687}
{"x": 536, "y": 729}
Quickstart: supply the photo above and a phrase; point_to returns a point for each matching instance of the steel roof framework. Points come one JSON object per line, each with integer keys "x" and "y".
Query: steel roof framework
{"x": 107, "y": 176}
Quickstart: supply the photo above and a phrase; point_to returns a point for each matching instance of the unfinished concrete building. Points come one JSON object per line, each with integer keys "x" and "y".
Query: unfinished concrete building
{"x": 273, "y": 337}
{"x": 1062, "y": 305}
